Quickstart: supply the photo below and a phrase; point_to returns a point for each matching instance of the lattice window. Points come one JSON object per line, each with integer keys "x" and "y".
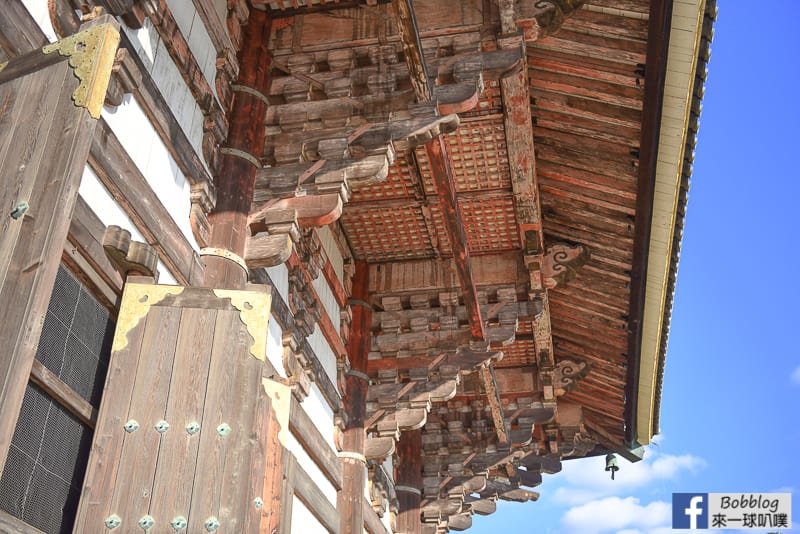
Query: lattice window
{"x": 42, "y": 479}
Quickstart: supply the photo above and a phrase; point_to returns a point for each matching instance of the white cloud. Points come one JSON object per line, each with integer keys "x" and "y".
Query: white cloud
{"x": 796, "y": 376}
{"x": 615, "y": 513}
{"x": 587, "y": 480}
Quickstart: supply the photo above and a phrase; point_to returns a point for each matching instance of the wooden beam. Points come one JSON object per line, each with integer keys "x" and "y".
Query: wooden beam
{"x": 307, "y": 491}
{"x": 329, "y": 330}
{"x": 65, "y": 395}
{"x": 149, "y": 97}
{"x": 129, "y": 188}
{"x": 444, "y": 180}
{"x": 314, "y": 444}
{"x": 372, "y": 523}
{"x": 282, "y": 314}
{"x": 412, "y": 48}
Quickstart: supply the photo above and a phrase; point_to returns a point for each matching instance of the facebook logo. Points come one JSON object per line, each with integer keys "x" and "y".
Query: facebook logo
{"x": 690, "y": 510}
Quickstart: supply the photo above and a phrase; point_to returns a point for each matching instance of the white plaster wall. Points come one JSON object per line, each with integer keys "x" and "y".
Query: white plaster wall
{"x": 280, "y": 278}
{"x": 312, "y": 469}
{"x": 140, "y": 140}
{"x": 165, "y": 74}
{"x": 95, "y": 194}
{"x": 191, "y": 25}
{"x": 275, "y": 347}
{"x": 104, "y": 206}
{"x": 323, "y": 351}
{"x": 323, "y": 289}
{"x": 38, "y": 10}
{"x": 303, "y": 521}
{"x": 332, "y": 250}
{"x": 320, "y": 412}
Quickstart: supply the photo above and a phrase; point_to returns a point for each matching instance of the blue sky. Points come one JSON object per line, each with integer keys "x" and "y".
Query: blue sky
{"x": 730, "y": 416}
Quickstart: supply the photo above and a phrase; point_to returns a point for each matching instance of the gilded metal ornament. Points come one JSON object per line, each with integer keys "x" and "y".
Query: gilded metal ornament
{"x": 253, "y": 309}
{"x": 280, "y": 396}
{"x": 136, "y": 302}
{"x": 91, "y": 54}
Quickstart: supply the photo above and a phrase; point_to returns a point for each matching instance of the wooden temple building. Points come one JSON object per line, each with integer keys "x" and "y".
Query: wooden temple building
{"x": 345, "y": 266}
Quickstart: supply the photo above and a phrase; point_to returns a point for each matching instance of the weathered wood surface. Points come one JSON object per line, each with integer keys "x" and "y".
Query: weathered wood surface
{"x": 43, "y": 134}
{"x": 62, "y": 393}
{"x": 109, "y": 435}
{"x": 355, "y": 404}
{"x": 184, "y": 357}
{"x": 126, "y": 183}
{"x": 11, "y": 525}
{"x": 236, "y": 179}
{"x": 408, "y": 474}
{"x": 372, "y": 522}
{"x": 177, "y": 455}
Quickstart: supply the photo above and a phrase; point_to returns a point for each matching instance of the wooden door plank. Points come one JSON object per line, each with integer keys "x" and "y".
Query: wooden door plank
{"x": 287, "y": 493}
{"x": 109, "y": 433}
{"x": 275, "y": 499}
{"x": 26, "y": 147}
{"x": 228, "y": 339}
{"x": 254, "y": 517}
{"x": 174, "y": 480}
{"x": 239, "y": 408}
{"x": 137, "y": 464}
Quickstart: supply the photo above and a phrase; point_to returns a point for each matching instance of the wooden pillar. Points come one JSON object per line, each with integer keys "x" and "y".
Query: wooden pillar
{"x": 408, "y": 482}
{"x": 46, "y": 130}
{"x": 240, "y": 158}
{"x": 350, "y": 498}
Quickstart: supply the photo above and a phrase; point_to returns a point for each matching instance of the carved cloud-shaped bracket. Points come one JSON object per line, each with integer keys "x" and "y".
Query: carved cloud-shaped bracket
{"x": 567, "y": 374}
{"x": 561, "y": 264}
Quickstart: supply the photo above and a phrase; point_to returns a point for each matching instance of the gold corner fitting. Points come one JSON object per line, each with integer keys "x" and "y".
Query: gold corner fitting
{"x": 91, "y": 55}
{"x": 280, "y": 396}
{"x": 254, "y": 308}
{"x": 136, "y": 302}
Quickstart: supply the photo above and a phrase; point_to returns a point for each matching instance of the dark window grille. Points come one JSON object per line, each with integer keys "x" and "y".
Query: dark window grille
{"x": 42, "y": 479}
{"x": 76, "y": 338}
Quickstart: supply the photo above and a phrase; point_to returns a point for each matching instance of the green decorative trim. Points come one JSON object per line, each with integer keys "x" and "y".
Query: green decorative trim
{"x": 91, "y": 54}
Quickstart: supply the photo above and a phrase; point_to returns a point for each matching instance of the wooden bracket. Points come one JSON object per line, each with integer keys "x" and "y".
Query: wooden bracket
{"x": 561, "y": 262}
{"x": 129, "y": 257}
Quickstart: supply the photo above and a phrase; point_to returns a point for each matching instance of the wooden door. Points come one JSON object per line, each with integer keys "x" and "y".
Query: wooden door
{"x": 185, "y": 427}
{"x": 50, "y": 100}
